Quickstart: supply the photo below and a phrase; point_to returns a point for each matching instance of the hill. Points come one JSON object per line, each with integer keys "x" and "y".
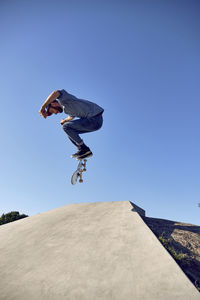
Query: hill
{"x": 182, "y": 241}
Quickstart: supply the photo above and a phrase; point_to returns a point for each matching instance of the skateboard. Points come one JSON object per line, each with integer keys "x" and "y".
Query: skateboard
{"x": 79, "y": 172}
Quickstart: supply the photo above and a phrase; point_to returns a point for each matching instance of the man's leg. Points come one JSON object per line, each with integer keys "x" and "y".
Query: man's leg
{"x": 73, "y": 131}
{"x": 73, "y": 141}
{"x": 76, "y": 127}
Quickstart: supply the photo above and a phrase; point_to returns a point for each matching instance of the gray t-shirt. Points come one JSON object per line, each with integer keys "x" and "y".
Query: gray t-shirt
{"x": 76, "y": 107}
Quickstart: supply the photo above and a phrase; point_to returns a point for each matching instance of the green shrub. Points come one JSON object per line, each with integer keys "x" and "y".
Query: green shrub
{"x": 181, "y": 258}
{"x": 11, "y": 217}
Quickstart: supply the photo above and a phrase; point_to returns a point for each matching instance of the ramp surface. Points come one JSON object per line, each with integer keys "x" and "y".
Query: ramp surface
{"x": 88, "y": 251}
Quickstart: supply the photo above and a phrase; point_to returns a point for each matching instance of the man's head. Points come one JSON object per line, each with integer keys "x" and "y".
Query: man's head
{"x": 54, "y": 108}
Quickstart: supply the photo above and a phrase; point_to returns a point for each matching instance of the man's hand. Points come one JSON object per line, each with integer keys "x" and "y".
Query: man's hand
{"x": 53, "y": 96}
{"x": 43, "y": 112}
{"x": 69, "y": 118}
{"x": 62, "y": 122}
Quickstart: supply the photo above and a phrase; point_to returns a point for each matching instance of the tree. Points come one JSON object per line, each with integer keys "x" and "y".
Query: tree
{"x": 11, "y": 217}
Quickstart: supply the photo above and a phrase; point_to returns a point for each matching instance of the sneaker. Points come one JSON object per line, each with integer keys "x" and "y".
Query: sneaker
{"x": 85, "y": 152}
{"x": 85, "y": 155}
{"x": 76, "y": 154}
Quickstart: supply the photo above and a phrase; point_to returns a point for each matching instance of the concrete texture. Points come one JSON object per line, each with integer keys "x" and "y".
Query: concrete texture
{"x": 88, "y": 251}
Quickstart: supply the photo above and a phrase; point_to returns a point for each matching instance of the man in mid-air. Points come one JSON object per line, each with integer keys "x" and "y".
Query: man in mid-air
{"x": 88, "y": 113}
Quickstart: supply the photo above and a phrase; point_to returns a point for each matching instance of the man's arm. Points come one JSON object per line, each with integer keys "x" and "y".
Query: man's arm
{"x": 53, "y": 96}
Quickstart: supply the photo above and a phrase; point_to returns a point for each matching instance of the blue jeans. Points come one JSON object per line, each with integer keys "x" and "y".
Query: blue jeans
{"x": 82, "y": 125}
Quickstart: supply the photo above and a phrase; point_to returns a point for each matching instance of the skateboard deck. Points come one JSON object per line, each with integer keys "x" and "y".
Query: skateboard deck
{"x": 79, "y": 172}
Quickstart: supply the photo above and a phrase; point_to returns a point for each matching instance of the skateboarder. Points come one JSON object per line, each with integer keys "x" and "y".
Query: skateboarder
{"x": 88, "y": 113}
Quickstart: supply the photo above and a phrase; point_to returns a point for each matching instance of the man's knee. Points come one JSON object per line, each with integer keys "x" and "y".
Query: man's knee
{"x": 66, "y": 127}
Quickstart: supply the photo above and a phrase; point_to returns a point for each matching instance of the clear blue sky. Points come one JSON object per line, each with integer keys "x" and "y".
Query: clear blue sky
{"x": 140, "y": 61}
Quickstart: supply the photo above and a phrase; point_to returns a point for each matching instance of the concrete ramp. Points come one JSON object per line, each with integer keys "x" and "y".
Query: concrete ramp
{"x": 88, "y": 251}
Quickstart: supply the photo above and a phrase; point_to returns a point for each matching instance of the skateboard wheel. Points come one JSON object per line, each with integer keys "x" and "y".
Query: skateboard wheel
{"x": 80, "y": 180}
